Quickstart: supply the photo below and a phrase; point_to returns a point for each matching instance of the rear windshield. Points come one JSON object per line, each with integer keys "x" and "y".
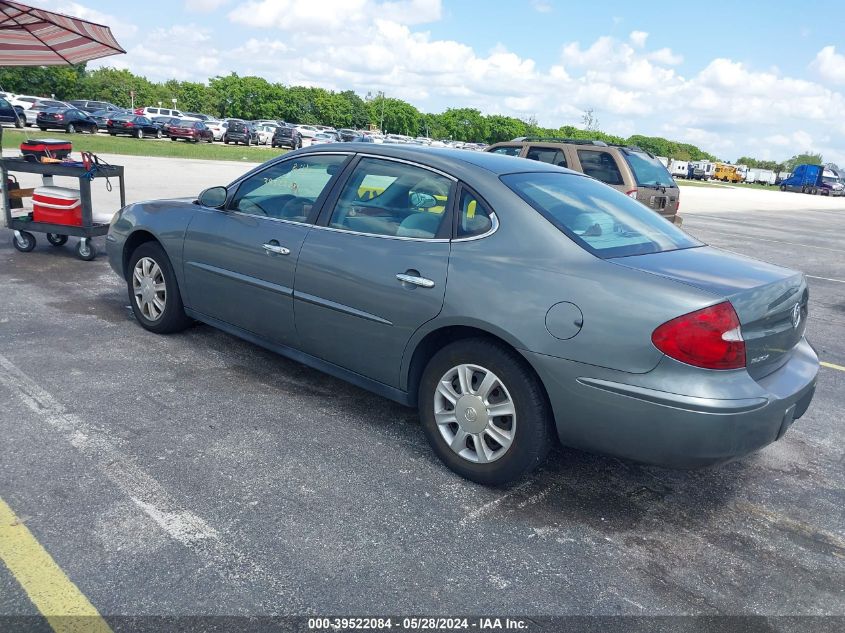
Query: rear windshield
{"x": 600, "y": 219}
{"x": 648, "y": 171}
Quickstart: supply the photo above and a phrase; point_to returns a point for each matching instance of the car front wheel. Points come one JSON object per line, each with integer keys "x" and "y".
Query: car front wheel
{"x": 154, "y": 292}
{"x": 484, "y": 412}
{"x": 139, "y": 134}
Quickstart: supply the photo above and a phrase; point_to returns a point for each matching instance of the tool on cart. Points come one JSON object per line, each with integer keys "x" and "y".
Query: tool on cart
{"x": 36, "y": 149}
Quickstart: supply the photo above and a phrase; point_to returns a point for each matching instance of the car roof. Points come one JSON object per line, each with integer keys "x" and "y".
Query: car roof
{"x": 445, "y": 158}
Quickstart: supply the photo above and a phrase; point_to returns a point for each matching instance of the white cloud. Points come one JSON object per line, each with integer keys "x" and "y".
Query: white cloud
{"x": 830, "y": 65}
{"x": 204, "y": 6}
{"x": 638, "y": 38}
{"x": 542, "y": 6}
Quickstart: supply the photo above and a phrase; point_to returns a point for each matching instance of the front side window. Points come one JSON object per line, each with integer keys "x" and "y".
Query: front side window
{"x": 603, "y": 221}
{"x": 549, "y": 155}
{"x": 287, "y": 190}
{"x": 600, "y": 165}
{"x": 395, "y": 199}
{"x": 474, "y": 217}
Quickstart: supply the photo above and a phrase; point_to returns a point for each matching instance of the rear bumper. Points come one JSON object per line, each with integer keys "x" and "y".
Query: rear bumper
{"x": 728, "y": 415}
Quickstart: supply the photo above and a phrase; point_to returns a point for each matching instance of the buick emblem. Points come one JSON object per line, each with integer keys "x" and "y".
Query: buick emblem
{"x": 470, "y": 415}
{"x": 796, "y": 315}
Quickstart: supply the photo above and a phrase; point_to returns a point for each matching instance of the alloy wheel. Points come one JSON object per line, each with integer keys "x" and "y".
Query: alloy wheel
{"x": 475, "y": 413}
{"x": 149, "y": 288}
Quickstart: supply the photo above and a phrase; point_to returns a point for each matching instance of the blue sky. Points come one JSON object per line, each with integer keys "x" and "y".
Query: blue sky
{"x": 754, "y": 78}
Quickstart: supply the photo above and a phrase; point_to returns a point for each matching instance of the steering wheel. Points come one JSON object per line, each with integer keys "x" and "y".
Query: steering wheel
{"x": 249, "y": 206}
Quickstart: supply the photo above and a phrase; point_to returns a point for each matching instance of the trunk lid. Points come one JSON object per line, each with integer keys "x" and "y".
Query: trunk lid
{"x": 770, "y": 301}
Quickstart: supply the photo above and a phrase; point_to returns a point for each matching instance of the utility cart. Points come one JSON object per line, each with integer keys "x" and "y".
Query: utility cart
{"x": 57, "y": 234}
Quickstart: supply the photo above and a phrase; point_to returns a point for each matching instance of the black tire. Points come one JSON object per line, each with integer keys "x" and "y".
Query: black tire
{"x": 139, "y": 134}
{"x": 225, "y": 140}
{"x": 173, "y": 318}
{"x": 247, "y": 141}
{"x": 172, "y": 138}
{"x": 298, "y": 144}
{"x": 533, "y": 435}
{"x": 19, "y": 122}
{"x": 43, "y": 129}
{"x": 112, "y": 133}
{"x": 71, "y": 128}
{"x": 56, "y": 240}
{"x": 85, "y": 250}
{"x": 27, "y": 242}
{"x": 159, "y": 134}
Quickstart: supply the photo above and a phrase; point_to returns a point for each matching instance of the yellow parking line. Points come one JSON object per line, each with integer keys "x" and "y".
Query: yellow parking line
{"x": 65, "y": 608}
{"x": 832, "y": 366}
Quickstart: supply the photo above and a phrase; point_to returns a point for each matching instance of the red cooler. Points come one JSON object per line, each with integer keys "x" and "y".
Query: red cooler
{"x": 57, "y": 205}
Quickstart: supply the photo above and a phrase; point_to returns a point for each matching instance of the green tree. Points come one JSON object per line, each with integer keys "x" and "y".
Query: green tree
{"x": 806, "y": 158}
{"x": 465, "y": 124}
{"x": 399, "y": 116}
{"x": 62, "y": 81}
{"x": 503, "y": 128}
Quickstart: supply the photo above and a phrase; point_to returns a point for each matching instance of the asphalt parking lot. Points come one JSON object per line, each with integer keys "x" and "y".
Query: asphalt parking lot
{"x": 199, "y": 474}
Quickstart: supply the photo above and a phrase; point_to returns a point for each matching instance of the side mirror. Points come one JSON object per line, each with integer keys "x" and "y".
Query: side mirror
{"x": 422, "y": 200}
{"x": 213, "y": 197}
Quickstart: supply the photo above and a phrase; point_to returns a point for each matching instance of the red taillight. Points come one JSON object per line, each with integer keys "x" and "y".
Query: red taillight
{"x": 109, "y": 122}
{"x": 632, "y": 194}
{"x": 129, "y": 124}
{"x": 710, "y": 338}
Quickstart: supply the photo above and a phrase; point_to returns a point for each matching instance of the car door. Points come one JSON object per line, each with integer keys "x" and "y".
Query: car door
{"x": 7, "y": 112}
{"x": 374, "y": 268}
{"x": 239, "y": 262}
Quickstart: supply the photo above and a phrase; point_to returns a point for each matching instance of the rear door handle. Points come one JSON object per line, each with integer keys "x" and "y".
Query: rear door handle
{"x": 276, "y": 249}
{"x": 415, "y": 280}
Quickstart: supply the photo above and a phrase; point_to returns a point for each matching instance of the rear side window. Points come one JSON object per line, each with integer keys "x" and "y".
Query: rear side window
{"x": 474, "y": 218}
{"x": 509, "y": 150}
{"x": 601, "y": 166}
{"x": 603, "y": 221}
{"x": 549, "y": 155}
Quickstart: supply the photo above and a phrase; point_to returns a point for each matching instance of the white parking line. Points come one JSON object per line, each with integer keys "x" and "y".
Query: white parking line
{"x": 763, "y": 239}
{"x": 839, "y": 281}
{"x": 152, "y": 498}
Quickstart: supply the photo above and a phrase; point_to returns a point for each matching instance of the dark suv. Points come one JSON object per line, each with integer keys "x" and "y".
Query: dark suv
{"x": 630, "y": 170}
{"x": 239, "y": 131}
{"x": 286, "y": 136}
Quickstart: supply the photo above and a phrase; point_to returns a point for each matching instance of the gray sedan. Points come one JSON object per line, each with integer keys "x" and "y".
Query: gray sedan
{"x": 512, "y": 302}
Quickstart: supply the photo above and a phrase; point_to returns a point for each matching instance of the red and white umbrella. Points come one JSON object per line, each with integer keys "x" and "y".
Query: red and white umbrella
{"x": 36, "y": 37}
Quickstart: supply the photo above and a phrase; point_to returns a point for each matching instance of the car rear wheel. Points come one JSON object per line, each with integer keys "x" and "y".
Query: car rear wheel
{"x": 154, "y": 292}
{"x": 484, "y": 412}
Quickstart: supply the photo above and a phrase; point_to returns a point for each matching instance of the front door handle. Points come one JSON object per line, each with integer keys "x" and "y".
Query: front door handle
{"x": 415, "y": 280}
{"x": 275, "y": 249}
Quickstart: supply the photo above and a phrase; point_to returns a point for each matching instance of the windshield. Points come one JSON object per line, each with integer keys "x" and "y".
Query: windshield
{"x": 598, "y": 218}
{"x": 648, "y": 171}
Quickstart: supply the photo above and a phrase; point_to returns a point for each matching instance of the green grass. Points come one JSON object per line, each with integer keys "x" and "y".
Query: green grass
{"x": 103, "y": 144}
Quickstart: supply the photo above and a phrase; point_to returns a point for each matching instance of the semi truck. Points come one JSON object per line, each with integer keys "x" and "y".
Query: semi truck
{"x": 814, "y": 180}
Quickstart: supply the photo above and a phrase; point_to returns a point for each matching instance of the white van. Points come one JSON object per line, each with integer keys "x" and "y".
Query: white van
{"x": 679, "y": 168}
